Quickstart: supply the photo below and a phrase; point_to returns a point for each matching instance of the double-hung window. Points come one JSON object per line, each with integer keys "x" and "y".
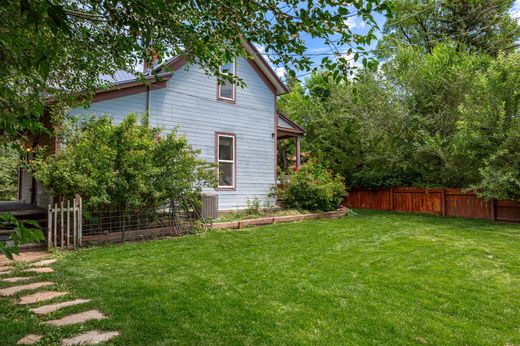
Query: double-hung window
{"x": 226, "y": 91}
{"x": 226, "y": 160}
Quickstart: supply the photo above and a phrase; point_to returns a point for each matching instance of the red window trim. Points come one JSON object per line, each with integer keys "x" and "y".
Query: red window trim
{"x": 227, "y": 134}
{"x": 224, "y": 99}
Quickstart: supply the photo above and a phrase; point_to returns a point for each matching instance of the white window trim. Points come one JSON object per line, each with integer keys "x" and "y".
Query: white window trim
{"x": 218, "y": 160}
{"x": 227, "y": 99}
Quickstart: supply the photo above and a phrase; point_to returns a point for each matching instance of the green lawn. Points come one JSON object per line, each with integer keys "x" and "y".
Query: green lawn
{"x": 374, "y": 278}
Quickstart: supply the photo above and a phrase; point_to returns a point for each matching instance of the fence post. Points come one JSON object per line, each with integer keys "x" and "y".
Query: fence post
{"x": 68, "y": 224}
{"x": 492, "y": 209}
{"x": 392, "y": 199}
{"x": 49, "y": 227}
{"x": 443, "y": 202}
{"x": 74, "y": 232}
{"x": 80, "y": 221}
{"x": 61, "y": 224}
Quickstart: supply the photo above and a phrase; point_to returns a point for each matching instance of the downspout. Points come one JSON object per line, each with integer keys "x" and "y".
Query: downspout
{"x": 148, "y": 100}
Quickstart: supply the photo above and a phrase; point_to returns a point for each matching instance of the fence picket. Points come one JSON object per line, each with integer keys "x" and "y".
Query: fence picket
{"x": 61, "y": 224}
{"x": 55, "y": 224}
{"x": 74, "y": 231}
{"x": 49, "y": 227}
{"x": 68, "y": 224}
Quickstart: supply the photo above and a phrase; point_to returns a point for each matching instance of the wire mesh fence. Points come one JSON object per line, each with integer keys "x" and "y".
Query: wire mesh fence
{"x": 117, "y": 225}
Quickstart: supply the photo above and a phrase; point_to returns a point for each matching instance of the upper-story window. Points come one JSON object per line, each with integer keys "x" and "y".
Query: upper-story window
{"x": 226, "y": 91}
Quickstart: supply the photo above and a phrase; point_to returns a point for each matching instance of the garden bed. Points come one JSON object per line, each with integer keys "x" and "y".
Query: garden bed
{"x": 270, "y": 219}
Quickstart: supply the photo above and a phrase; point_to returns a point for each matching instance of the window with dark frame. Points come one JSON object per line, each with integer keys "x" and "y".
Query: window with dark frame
{"x": 226, "y": 161}
{"x": 226, "y": 90}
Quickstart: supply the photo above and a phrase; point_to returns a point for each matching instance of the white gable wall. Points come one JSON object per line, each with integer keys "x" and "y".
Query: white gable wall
{"x": 283, "y": 123}
{"x": 189, "y": 103}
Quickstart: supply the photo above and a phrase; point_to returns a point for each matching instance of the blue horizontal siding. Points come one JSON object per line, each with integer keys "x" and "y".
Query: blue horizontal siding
{"x": 189, "y": 104}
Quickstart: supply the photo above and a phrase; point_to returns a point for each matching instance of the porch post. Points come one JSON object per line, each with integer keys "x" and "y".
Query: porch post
{"x": 298, "y": 151}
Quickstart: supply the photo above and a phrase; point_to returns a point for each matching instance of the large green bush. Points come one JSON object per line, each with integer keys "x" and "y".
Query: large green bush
{"x": 312, "y": 188}
{"x": 123, "y": 166}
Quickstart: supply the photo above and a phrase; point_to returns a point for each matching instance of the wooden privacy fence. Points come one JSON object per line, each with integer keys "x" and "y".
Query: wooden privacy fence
{"x": 446, "y": 202}
{"x": 64, "y": 228}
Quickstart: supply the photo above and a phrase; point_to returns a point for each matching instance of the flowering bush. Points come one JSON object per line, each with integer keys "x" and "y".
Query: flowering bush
{"x": 312, "y": 188}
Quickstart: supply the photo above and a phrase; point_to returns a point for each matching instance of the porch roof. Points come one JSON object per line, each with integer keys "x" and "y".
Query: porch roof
{"x": 288, "y": 128}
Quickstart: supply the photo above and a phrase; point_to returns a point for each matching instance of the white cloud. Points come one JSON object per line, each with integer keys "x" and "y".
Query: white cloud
{"x": 351, "y": 23}
{"x": 354, "y": 22}
{"x": 280, "y": 71}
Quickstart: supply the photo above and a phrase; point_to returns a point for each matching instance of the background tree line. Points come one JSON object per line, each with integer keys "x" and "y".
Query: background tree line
{"x": 441, "y": 111}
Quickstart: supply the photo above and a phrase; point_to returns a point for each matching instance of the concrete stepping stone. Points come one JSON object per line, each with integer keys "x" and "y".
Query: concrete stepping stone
{"x": 43, "y": 263}
{"x": 10, "y": 291}
{"x": 77, "y": 318}
{"x": 4, "y": 267}
{"x": 5, "y": 272}
{"x": 39, "y": 270}
{"x": 46, "y": 309}
{"x": 90, "y": 338}
{"x": 40, "y": 297}
{"x": 30, "y": 339}
{"x": 18, "y": 278}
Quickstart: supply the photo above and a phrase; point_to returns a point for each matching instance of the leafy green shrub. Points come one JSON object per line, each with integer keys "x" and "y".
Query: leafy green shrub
{"x": 312, "y": 188}
{"x": 123, "y": 166}
{"x": 253, "y": 207}
{"x": 9, "y": 162}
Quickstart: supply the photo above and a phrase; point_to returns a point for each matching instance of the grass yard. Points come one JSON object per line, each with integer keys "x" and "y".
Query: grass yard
{"x": 371, "y": 279}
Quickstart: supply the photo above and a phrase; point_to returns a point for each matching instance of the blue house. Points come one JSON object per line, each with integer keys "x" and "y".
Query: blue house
{"x": 237, "y": 128}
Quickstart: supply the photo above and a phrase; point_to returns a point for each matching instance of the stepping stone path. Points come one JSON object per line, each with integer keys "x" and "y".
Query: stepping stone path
{"x": 92, "y": 337}
{"x": 11, "y": 291}
{"x": 39, "y": 270}
{"x": 18, "y": 278}
{"x": 29, "y": 339}
{"x": 77, "y": 318}
{"x": 43, "y": 263}
{"x": 40, "y": 297}
{"x": 46, "y": 309}
{"x": 86, "y": 338}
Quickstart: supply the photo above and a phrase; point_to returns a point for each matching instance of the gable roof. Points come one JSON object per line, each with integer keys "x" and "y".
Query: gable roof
{"x": 119, "y": 76}
{"x": 259, "y": 64}
{"x": 266, "y": 68}
{"x": 122, "y": 86}
{"x": 127, "y": 80}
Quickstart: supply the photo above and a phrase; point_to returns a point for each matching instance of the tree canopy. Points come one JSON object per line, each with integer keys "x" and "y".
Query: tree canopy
{"x": 445, "y": 119}
{"x": 478, "y": 25}
{"x": 57, "y": 50}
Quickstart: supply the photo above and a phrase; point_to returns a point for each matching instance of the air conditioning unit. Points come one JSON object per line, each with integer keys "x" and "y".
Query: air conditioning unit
{"x": 209, "y": 208}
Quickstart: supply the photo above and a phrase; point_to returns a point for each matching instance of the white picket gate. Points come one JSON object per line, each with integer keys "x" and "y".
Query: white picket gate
{"x": 64, "y": 227}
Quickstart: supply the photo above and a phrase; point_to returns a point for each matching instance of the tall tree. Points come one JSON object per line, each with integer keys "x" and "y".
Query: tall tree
{"x": 483, "y": 26}
{"x": 57, "y": 50}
